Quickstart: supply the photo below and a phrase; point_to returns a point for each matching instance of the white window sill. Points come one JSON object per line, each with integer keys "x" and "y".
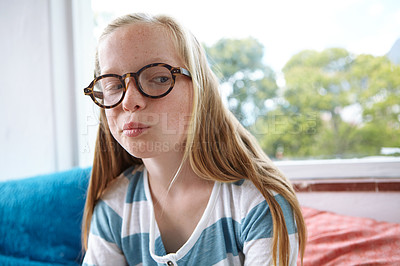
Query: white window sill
{"x": 372, "y": 167}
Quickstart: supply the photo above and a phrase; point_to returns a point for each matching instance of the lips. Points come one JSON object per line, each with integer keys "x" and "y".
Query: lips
{"x": 133, "y": 129}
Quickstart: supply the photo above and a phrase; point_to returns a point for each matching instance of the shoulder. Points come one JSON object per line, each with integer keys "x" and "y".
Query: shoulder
{"x": 254, "y": 209}
{"x": 243, "y": 195}
{"x": 248, "y": 195}
{"x": 256, "y": 223}
{"x": 127, "y": 186}
{"x": 108, "y": 213}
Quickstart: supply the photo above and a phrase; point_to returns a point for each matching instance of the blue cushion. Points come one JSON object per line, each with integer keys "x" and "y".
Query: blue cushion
{"x": 40, "y": 219}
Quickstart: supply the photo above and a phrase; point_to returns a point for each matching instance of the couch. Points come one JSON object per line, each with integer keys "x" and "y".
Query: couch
{"x": 40, "y": 220}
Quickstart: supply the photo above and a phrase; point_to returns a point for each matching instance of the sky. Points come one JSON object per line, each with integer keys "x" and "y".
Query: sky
{"x": 284, "y": 27}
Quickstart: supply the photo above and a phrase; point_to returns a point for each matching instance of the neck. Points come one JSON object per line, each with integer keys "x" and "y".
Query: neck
{"x": 164, "y": 177}
{"x": 164, "y": 168}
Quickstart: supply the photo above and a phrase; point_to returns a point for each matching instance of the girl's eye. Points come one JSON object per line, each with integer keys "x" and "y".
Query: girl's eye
{"x": 161, "y": 79}
{"x": 113, "y": 86}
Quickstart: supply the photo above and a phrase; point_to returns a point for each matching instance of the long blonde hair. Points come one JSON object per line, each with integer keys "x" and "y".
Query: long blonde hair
{"x": 217, "y": 147}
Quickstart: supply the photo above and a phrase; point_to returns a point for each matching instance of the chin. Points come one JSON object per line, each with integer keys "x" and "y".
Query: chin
{"x": 151, "y": 149}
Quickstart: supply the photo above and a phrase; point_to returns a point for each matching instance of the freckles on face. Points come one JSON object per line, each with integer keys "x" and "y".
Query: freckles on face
{"x": 146, "y": 127}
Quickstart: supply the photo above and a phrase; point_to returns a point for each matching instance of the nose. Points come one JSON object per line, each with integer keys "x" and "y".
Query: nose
{"x": 133, "y": 99}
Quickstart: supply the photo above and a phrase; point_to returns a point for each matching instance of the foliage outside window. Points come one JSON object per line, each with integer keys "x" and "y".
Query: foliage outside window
{"x": 334, "y": 104}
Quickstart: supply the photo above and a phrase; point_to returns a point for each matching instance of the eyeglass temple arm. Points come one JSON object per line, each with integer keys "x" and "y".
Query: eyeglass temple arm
{"x": 185, "y": 72}
{"x": 96, "y": 94}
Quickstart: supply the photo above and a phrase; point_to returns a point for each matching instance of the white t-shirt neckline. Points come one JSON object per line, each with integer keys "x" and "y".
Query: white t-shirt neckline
{"x": 202, "y": 224}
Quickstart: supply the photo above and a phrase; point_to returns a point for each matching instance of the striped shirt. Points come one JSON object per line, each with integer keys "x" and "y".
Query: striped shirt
{"x": 235, "y": 228}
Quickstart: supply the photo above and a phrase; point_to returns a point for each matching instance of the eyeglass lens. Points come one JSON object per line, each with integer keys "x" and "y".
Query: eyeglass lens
{"x": 153, "y": 81}
{"x": 108, "y": 91}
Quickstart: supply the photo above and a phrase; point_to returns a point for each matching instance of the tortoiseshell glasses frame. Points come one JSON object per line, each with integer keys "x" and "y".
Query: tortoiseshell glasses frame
{"x": 153, "y": 81}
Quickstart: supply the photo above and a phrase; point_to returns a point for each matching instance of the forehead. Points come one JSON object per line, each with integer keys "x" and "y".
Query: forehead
{"x": 131, "y": 47}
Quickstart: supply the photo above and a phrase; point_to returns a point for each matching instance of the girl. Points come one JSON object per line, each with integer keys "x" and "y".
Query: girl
{"x": 176, "y": 179}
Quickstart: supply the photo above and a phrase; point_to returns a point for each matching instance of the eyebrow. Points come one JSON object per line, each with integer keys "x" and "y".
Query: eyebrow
{"x": 147, "y": 62}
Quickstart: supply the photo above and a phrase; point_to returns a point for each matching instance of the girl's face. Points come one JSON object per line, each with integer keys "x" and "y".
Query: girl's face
{"x": 146, "y": 127}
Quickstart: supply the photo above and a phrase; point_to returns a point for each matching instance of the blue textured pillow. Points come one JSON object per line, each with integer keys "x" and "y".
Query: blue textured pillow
{"x": 40, "y": 219}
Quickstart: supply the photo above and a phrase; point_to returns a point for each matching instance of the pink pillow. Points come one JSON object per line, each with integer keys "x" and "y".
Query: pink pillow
{"x": 335, "y": 239}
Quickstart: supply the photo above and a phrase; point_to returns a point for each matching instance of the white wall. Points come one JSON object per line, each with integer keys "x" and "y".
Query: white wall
{"x": 44, "y": 63}
{"x": 381, "y": 206}
{"x": 27, "y": 138}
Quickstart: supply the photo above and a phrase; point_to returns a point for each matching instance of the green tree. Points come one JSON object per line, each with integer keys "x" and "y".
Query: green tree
{"x": 283, "y": 131}
{"x": 375, "y": 83}
{"x": 320, "y": 86}
{"x": 239, "y": 65}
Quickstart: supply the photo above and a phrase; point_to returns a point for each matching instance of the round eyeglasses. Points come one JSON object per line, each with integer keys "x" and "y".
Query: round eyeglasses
{"x": 154, "y": 81}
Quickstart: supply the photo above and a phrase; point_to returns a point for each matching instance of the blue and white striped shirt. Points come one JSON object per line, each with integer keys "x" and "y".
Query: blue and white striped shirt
{"x": 235, "y": 229}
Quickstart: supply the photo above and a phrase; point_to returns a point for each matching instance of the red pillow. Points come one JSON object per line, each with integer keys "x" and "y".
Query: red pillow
{"x": 335, "y": 239}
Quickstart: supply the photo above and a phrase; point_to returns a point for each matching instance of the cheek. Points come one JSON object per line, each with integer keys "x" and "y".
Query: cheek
{"x": 184, "y": 119}
{"x": 111, "y": 116}
{"x": 181, "y": 110}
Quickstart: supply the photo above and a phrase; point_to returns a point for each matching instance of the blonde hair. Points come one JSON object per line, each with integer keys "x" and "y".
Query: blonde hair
{"x": 218, "y": 147}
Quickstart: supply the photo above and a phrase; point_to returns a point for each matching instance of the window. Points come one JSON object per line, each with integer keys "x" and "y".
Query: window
{"x": 303, "y": 99}
{"x": 312, "y": 80}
